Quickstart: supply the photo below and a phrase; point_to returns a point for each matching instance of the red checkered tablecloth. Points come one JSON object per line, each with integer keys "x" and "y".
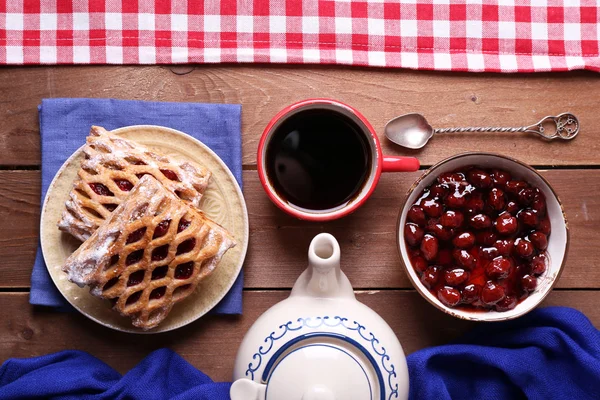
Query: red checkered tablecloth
{"x": 504, "y": 36}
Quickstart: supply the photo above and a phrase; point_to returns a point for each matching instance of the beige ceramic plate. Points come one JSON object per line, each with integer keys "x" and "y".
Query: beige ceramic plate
{"x": 222, "y": 202}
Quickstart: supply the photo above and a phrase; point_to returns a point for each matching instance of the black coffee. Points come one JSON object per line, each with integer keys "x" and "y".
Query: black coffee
{"x": 318, "y": 159}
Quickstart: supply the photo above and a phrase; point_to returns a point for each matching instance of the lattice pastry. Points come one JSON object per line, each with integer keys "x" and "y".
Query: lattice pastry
{"x": 111, "y": 168}
{"x": 149, "y": 254}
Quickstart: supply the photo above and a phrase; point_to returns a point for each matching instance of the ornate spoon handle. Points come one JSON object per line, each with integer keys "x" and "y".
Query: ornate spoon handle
{"x": 563, "y": 126}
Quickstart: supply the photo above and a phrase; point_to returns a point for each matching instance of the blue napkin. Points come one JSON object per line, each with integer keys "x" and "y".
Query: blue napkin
{"x": 78, "y": 375}
{"x": 551, "y": 353}
{"x": 65, "y": 123}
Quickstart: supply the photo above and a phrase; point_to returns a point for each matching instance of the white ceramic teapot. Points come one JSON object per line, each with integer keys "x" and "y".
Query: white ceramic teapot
{"x": 320, "y": 343}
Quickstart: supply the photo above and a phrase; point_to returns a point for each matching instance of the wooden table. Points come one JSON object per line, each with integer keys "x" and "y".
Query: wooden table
{"x": 278, "y": 243}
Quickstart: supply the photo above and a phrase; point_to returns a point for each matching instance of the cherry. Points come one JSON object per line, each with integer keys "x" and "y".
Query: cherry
{"x": 134, "y": 257}
{"x": 528, "y": 217}
{"x": 539, "y": 204}
{"x": 507, "y": 303}
{"x": 480, "y": 221}
{"x": 539, "y": 240}
{"x": 526, "y": 196}
{"x": 136, "y": 235}
{"x": 183, "y": 225}
{"x": 124, "y": 184}
{"x": 512, "y": 207}
{"x": 169, "y": 174}
{"x": 448, "y": 296}
{"x": 500, "y": 178}
{"x": 470, "y": 293}
{"x": 528, "y": 283}
{"x": 504, "y": 246}
{"x": 452, "y": 219}
{"x": 161, "y": 229}
{"x": 416, "y": 215}
{"x": 499, "y": 268}
{"x": 413, "y": 234}
{"x": 464, "y": 258}
{"x": 439, "y": 231}
{"x": 100, "y": 189}
{"x": 496, "y": 199}
{"x": 110, "y": 207}
{"x": 431, "y": 276}
{"x": 523, "y": 248}
{"x": 432, "y": 207}
{"x": 419, "y": 264}
{"x": 450, "y": 177}
{"x": 475, "y": 204}
{"x": 544, "y": 226}
{"x": 184, "y": 271}
{"x": 186, "y": 246}
{"x": 456, "y": 276}
{"x": 515, "y": 187}
{"x": 488, "y": 253}
{"x": 492, "y": 293}
{"x": 464, "y": 240}
{"x": 486, "y": 238}
{"x": 429, "y": 247}
{"x": 110, "y": 284}
{"x": 134, "y": 298}
{"x": 160, "y": 272}
{"x": 158, "y": 293}
{"x": 160, "y": 253}
{"x": 479, "y": 178}
{"x": 538, "y": 264}
{"x": 136, "y": 278}
{"x": 440, "y": 189}
{"x": 113, "y": 260}
{"x": 506, "y": 224}
{"x": 456, "y": 200}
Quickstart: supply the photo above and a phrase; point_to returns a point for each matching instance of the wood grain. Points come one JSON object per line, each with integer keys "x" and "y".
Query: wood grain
{"x": 445, "y": 99}
{"x": 278, "y": 243}
{"x": 212, "y": 342}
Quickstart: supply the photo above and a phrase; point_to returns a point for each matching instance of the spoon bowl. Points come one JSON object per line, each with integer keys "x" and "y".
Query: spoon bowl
{"x": 409, "y": 130}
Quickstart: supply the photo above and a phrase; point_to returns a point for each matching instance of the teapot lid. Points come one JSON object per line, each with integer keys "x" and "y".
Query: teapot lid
{"x": 317, "y": 366}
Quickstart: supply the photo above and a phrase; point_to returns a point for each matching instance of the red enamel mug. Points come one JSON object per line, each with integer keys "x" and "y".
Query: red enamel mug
{"x": 379, "y": 163}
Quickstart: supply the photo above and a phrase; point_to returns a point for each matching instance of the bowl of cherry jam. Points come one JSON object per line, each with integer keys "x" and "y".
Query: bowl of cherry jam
{"x": 483, "y": 237}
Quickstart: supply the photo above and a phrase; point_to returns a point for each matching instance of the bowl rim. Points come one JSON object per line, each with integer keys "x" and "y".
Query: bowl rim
{"x": 418, "y": 286}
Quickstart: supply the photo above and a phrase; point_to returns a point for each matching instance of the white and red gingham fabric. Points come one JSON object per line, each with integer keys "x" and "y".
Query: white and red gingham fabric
{"x": 501, "y": 36}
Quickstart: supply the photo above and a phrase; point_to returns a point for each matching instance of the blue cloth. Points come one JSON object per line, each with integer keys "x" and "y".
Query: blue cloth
{"x": 551, "y": 353}
{"x": 65, "y": 123}
{"x": 78, "y": 375}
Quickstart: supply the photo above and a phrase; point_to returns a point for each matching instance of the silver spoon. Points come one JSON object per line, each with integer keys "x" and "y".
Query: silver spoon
{"x": 413, "y": 131}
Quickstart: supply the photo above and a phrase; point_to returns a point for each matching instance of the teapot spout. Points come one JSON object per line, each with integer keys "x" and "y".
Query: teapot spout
{"x": 323, "y": 278}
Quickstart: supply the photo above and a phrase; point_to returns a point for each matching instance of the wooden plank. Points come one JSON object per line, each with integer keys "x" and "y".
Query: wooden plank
{"x": 368, "y": 237}
{"x": 211, "y": 343}
{"x": 278, "y": 243}
{"x": 445, "y": 99}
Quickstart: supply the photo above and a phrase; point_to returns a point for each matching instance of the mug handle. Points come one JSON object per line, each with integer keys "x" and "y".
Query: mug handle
{"x": 400, "y": 164}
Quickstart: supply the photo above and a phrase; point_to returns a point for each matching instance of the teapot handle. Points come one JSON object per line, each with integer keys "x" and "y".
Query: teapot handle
{"x": 323, "y": 278}
{"x": 245, "y": 389}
